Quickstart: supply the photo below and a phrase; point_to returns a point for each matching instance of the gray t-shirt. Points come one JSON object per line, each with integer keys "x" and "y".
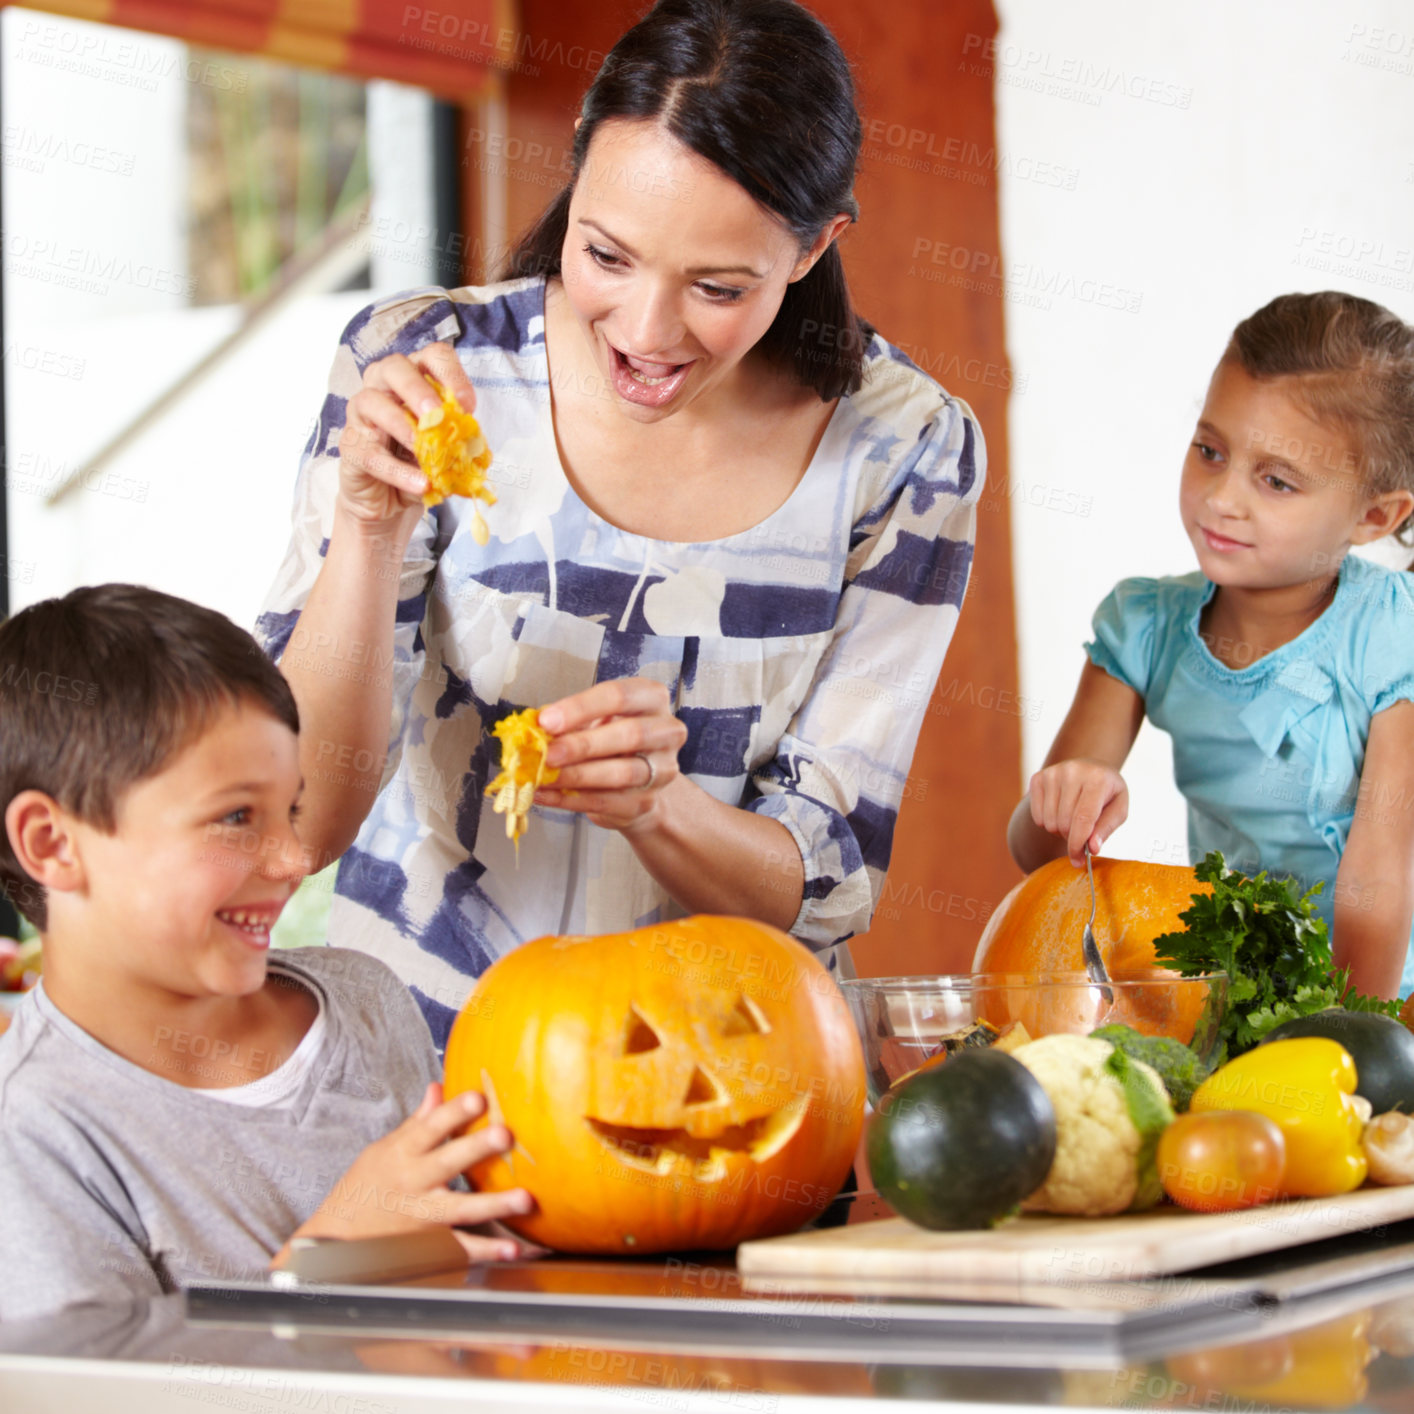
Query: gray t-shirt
{"x": 116, "y": 1183}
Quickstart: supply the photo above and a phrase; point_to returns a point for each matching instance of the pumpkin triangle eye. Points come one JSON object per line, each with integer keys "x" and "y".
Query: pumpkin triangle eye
{"x": 640, "y": 1036}
{"x": 745, "y": 1019}
{"x": 702, "y": 1089}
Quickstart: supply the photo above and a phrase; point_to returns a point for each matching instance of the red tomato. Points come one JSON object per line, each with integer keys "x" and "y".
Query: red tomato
{"x": 1221, "y": 1160}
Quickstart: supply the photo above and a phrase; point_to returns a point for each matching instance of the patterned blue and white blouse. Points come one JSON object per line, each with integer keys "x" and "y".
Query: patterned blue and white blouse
{"x": 800, "y": 654}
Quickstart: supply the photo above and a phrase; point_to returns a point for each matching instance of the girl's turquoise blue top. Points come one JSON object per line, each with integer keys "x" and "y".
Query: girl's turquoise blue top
{"x": 1268, "y": 755}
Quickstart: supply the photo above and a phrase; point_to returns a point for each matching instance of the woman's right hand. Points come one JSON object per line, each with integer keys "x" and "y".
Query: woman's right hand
{"x": 1083, "y": 800}
{"x": 379, "y": 481}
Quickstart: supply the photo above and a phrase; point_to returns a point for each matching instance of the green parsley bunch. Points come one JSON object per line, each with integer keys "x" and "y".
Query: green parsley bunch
{"x": 1273, "y": 946}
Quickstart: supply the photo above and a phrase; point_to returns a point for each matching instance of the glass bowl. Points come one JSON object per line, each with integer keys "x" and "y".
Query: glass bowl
{"x": 903, "y": 1021}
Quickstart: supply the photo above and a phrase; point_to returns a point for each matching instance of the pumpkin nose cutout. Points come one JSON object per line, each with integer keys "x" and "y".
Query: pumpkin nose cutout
{"x": 702, "y": 1089}
{"x": 639, "y": 1035}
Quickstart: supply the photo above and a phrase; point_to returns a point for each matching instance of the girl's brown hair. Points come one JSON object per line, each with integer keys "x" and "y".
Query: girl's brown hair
{"x": 1353, "y": 362}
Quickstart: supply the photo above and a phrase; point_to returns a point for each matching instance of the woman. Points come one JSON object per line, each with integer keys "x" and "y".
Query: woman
{"x": 733, "y": 532}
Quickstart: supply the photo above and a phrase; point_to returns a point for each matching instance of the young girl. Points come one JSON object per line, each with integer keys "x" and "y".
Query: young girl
{"x": 1284, "y": 669}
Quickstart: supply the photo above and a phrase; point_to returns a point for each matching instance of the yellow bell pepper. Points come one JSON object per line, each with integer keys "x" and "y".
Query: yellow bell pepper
{"x": 1306, "y": 1087}
{"x": 1319, "y": 1368}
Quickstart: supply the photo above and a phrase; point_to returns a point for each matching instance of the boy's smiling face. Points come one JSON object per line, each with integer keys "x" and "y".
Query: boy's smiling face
{"x": 178, "y": 901}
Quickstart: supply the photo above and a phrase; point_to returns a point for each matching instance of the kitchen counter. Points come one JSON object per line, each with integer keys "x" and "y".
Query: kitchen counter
{"x": 1324, "y": 1327}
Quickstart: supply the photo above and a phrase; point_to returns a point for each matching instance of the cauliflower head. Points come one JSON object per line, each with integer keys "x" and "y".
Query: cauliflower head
{"x": 1110, "y": 1111}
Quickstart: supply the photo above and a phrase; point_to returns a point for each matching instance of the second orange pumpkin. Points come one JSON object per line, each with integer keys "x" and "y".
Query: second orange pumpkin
{"x": 1037, "y": 928}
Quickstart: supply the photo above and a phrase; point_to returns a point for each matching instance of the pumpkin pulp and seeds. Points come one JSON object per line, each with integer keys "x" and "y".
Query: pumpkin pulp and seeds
{"x": 524, "y": 743}
{"x": 452, "y": 454}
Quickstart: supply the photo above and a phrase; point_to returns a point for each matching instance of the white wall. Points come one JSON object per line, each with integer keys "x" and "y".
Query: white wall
{"x": 1221, "y": 154}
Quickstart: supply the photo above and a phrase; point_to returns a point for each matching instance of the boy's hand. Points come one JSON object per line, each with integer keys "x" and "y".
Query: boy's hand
{"x": 399, "y": 1183}
{"x": 1085, "y": 801}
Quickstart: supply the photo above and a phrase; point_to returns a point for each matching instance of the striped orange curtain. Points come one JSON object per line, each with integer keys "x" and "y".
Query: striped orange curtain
{"x": 451, "y": 47}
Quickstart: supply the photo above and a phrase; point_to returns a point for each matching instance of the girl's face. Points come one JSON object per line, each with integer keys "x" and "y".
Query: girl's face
{"x": 1271, "y": 498}
{"x": 672, "y": 271}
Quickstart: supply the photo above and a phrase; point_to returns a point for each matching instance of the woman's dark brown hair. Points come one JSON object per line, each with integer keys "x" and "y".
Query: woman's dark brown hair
{"x": 1353, "y": 365}
{"x": 761, "y": 89}
{"x": 101, "y": 689}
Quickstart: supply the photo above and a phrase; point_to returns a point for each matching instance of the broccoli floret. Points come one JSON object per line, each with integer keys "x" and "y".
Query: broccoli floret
{"x": 1178, "y": 1065}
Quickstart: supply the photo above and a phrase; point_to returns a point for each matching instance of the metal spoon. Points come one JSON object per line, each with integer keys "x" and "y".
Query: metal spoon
{"x": 1094, "y": 963}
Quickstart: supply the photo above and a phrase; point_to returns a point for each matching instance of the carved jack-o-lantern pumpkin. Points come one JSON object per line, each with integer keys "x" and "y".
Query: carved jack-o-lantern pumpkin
{"x": 686, "y": 1085}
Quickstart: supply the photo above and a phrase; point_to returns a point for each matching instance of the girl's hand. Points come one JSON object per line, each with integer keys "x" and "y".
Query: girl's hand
{"x": 616, "y": 748}
{"x": 1084, "y": 800}
{"x": 379, "y": 480}
{"x": 399, "y": 1183}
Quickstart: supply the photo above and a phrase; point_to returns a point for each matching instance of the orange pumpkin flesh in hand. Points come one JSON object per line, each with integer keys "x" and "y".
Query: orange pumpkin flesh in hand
{"x": 452, "y": 454}
{"x": 523, "y": 745}
{"x": 1037, "y": 928}
{"x": 687, "y": 1085}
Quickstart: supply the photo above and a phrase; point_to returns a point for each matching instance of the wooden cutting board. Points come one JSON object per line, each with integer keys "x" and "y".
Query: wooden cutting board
{"x": 1039, "y": 1247}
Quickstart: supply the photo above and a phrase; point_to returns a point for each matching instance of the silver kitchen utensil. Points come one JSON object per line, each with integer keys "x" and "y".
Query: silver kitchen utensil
{"x": 1094, "y": 963}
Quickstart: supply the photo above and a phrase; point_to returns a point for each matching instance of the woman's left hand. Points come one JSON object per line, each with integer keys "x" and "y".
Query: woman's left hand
{"x": 616, "y": 748}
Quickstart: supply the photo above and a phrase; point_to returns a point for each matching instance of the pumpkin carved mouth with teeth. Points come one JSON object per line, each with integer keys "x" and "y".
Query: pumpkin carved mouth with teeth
{"x": 691, "y": 1084}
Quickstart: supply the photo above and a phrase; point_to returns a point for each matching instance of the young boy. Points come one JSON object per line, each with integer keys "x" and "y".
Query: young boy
{"x": 175, "y": 1103}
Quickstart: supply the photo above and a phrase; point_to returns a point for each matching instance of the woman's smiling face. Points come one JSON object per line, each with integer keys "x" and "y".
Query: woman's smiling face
{"x": 672, "y": 270}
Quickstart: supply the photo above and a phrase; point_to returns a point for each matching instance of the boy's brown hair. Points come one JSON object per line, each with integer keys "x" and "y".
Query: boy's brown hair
{"x": 102, "y": 688}
{"x": 1353, "y": 362}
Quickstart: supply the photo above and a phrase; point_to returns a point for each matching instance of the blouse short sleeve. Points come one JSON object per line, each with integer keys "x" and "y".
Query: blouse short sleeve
{"x": 402, "y": 324}
{"x": 839, "y": 770}
{"x": 1382, "y": 638}
{"x": 1125, "y": 633}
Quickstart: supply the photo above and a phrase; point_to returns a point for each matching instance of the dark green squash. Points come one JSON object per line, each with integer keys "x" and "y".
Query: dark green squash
{"x": 959, "y": 1145}
{"x": 1381, "y": 1047}
{"x": 976, "y": 1385}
